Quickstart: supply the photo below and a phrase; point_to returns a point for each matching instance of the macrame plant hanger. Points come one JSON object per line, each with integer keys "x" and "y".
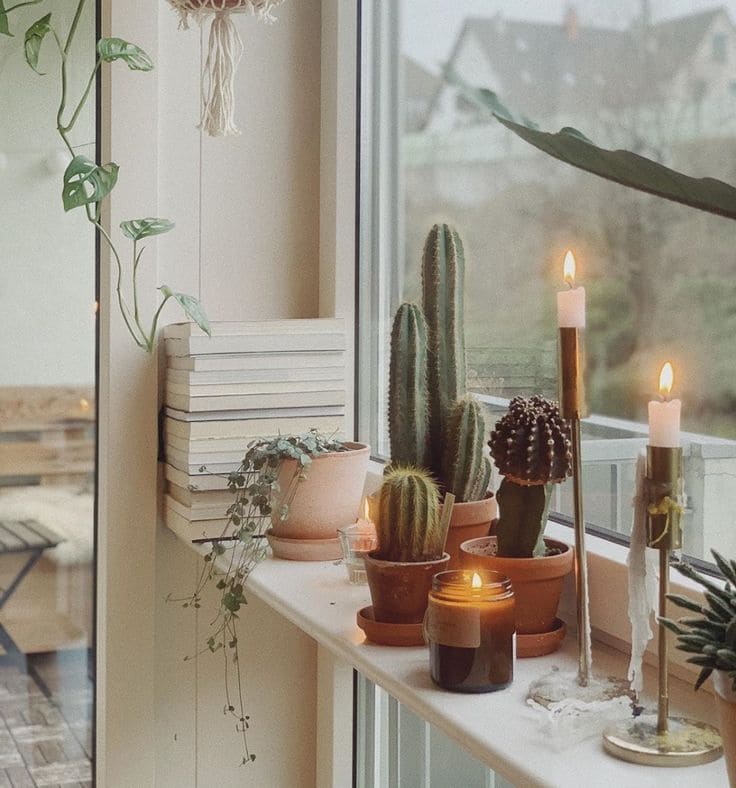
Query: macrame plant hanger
{"x": 223, "y": 56}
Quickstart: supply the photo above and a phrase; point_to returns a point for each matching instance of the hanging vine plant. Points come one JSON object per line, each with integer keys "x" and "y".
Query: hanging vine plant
{"x": 86, "y": 183}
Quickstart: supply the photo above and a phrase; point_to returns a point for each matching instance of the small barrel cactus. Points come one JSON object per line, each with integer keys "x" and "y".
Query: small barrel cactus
{"x": 409, "y": 510}
{"x": 532, "y": 450}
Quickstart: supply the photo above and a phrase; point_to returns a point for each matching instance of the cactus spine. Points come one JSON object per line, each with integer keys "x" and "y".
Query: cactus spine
{"x": 408, "y": 415}
{"x": 443, "y": 292}
{"x": 428, "y": 375}
{"x": 409, "y": 517}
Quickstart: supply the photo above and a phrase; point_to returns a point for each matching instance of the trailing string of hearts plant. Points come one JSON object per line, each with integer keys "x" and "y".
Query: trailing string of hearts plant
{"x": 224, "y": 54}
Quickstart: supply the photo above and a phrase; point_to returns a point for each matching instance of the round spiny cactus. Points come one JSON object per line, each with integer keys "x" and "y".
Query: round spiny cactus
{"x": 531, "y": 443}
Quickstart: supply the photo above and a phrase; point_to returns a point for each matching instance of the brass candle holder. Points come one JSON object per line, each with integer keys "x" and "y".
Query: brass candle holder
{"x": 661, "y": 740}
{"x": 573, "y": 408}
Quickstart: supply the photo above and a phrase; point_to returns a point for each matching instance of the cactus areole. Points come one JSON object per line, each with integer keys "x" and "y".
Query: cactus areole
{"x": 531, "y": 448}
{"x": 432, "y": 423}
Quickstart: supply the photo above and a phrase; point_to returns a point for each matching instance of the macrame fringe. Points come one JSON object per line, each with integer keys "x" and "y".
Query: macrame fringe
{"x": 218, "y": 78}
{"x": 223, "y": 57}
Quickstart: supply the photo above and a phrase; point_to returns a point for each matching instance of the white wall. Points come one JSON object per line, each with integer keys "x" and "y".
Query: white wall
{"x": 247, "y": 242}
{"x": 47, "y": 263}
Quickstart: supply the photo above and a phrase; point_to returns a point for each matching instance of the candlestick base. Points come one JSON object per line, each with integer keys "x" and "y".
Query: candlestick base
{"x": 556, "y": 686}
{"x": 686, "y": 743}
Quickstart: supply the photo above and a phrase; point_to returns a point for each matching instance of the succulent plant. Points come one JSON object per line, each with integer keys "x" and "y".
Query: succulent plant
{"x": 531, "y": 448}
{"x": 428, "y": 376}
{"x": 409, "y": 510}
{"x": 710, "y": 637}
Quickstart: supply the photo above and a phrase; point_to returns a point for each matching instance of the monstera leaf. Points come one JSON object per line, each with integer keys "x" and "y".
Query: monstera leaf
{"x": 34, "y": 38}
{"x": 5, "y": 10}
{"x": 86, "y": 182}
{"x": 621, "y": 166}
{"x": 191, "y": 306}
{"x": 111, "y": 49}
{"x": 137, "y": 229}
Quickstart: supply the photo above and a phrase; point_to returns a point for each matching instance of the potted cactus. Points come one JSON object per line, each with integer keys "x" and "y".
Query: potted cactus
{"x": 410, "y": 546}
{"x": 433, "y": 424}
{"x": 531, "y": 448}
{"x": 710, "y": 639}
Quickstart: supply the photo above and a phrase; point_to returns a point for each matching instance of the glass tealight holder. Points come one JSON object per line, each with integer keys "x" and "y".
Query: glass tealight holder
{"x": 470, "y": 629}
{"x": 357, "y": 541}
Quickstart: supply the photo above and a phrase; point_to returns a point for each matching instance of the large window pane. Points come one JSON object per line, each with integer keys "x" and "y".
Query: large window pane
{"x": 659, "y": 79}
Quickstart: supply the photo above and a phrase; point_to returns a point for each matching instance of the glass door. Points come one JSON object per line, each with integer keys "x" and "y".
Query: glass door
{"x": 48, "y": 272}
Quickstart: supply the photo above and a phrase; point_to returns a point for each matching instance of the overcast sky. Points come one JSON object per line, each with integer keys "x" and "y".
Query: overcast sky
{"x": 430, "y": 26}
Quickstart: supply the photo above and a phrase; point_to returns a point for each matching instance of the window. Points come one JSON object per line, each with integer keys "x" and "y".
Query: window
{"x": 720, "y": 48}
{"x": 659, "y": 277}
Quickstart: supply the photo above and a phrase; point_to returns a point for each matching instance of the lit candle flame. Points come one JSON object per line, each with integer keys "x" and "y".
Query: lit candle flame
{"x": 569, "y": 268}
{"x": 476, "y": 582}
{"x": 666, "y": 379}
{"x": 96, "y": 307}
{"x": 366, "y": 510}
{"x": 84, "y": 405}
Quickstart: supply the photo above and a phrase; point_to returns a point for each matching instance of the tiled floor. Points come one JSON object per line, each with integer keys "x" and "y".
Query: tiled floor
{"x": 46, "y": 741}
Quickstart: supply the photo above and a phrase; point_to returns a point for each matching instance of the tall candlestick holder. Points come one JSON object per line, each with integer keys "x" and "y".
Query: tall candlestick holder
{"x": 582, "y": 685}
{"x": 658, "y": 739}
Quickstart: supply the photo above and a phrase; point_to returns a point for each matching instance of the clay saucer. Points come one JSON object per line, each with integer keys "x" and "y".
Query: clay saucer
{"x": 304, "y": 549}
{"x": 389, "y": 634}
{"x": 542, "y": 643}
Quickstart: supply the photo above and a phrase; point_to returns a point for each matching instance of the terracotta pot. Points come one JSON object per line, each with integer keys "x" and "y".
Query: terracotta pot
{"x": 470, "y": 520}
{"x": 327, "y": 499}
{"x": 726, "y": 704}
{"x": 400, "y": 591}
{"x": 537, "y": 582}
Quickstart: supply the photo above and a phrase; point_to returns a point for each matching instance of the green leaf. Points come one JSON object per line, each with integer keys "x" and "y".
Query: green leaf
{"x": 34, "y": 38}
{"x": 621, "y": 166}
{"x": 86, "y": 182}
{"x": 191, "y": 306}
{"x": 111, "y": 49}
{"x": 4, "y": 26}
{"x": 137, "y": 229}
{"x": 683, "y": 601}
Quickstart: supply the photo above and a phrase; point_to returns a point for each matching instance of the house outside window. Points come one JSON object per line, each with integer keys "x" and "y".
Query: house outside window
{"x": 659, "y": 277}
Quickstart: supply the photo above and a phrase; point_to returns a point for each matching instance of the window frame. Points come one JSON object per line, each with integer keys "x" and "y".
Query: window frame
{"x": 376, "y": 224}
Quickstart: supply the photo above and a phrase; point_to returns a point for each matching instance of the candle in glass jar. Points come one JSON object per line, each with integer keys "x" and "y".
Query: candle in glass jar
{"x": 470, "y": 630}
{"x": 571, "y": 302}
{"x": 664, "y": 416}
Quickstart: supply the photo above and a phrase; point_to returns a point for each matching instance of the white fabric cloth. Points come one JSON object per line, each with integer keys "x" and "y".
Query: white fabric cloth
{"x": 225, "y": 49}
{"x": 643, "y": 565}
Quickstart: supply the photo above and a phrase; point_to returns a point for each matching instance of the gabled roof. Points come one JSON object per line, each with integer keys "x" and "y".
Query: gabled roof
{"x": 545, "y": 69}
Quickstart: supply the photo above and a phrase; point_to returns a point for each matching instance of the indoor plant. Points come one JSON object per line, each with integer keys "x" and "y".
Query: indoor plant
{"x": 86, "y": 183}
{"x": 410, "y": 546}
{"x": 432, "y": 423}
{"x": 268, "y": 482}
{"x": 710, "y": 638}
{"x": 531, "y": 448}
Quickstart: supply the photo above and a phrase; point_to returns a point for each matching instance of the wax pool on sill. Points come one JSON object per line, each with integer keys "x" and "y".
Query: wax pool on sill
{"x": 471, "y": 632}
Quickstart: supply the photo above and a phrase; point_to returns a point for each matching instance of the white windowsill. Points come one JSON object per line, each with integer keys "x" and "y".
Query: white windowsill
{"x": 496, "y": 728}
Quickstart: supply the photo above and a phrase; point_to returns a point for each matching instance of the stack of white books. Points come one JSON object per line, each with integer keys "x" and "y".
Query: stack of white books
{"x": 247, "y": 381}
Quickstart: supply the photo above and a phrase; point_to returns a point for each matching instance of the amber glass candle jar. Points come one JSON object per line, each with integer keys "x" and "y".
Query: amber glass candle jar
{"x": 470, "y": 630}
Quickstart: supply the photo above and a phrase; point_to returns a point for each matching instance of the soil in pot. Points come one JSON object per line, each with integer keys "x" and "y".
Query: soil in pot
{"x": 400, "y": 591}
{"x": 470, "y": 520}
{"x": 327, "y": 499}
{"x": 537, "y": 584}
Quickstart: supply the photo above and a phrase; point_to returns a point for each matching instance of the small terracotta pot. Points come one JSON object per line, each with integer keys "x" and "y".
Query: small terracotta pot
{"x": 327, "y": 499}
{"x": 470, "y": 520}
{"x": 726, "y": 705}
{"x": 400, "y": 591}
{"x": 537, "y": 582}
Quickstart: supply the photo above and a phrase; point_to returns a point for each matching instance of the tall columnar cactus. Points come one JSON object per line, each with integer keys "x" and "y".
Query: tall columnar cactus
{"x": 466, "y": 471}
{"x": 531, "y": 448}
{"x": 408, "y": 524}
{"x": 443, "y": 292}
{"x": 408, "y": 413}
{"x": 428, "y": 376}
